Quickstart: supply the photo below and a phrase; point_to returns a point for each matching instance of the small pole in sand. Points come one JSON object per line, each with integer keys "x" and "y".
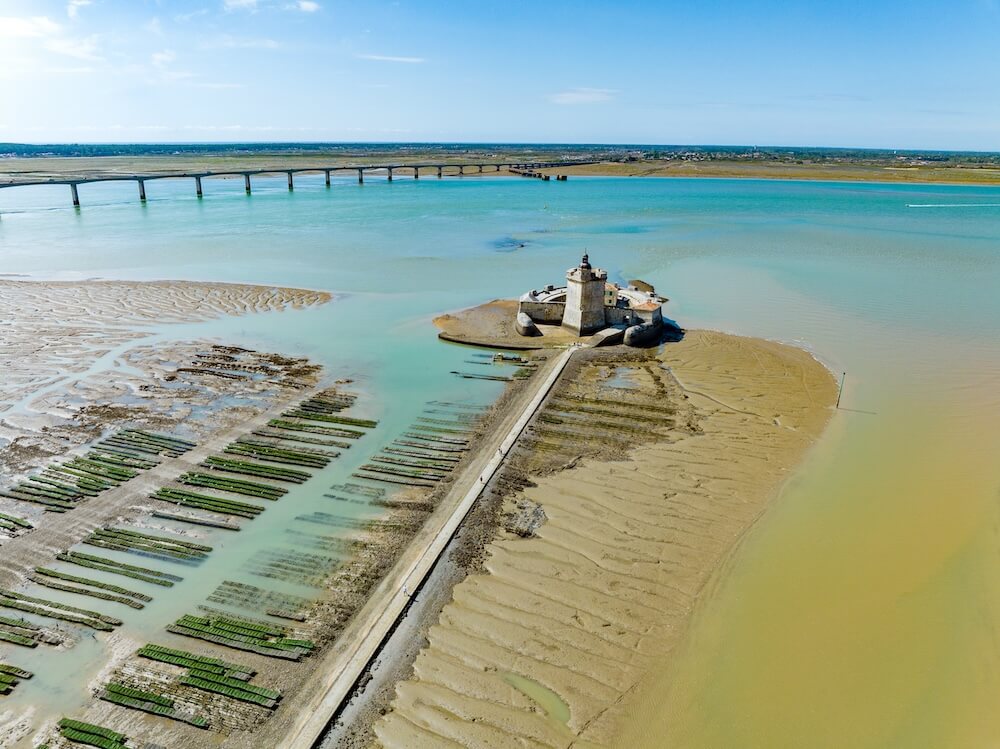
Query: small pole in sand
{"x": 840, "y": 392}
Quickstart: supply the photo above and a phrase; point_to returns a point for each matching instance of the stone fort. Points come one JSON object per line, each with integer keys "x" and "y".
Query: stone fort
{"x": 589, "y": 305}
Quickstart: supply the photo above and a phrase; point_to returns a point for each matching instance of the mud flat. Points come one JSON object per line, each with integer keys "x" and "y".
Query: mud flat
{"x": 95, "y": 418}
{"x": 243, "y": 667}
{"x": 492, "y": 325}
{"x": 59, "y": 340}
{"x": 412, "y": 553}
{"x": 633, "y": 484}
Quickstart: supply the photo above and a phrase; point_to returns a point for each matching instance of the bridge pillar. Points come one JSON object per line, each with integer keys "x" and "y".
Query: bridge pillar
{"x": 75, "y": 194}
{"x": 246, "y": 182}
{"x": 291, "y": 184}
{"x": 361, "y": 176}
{"x": 197, "y": 186}
{"x": 327, "y": 172}
{"x": 390, "y": 173}
{"x": 439, "y": 172}
{"x": 142, "y": 190}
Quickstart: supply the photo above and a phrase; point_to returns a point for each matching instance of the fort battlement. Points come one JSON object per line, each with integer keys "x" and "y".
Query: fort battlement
{"x": 588, "y": 304}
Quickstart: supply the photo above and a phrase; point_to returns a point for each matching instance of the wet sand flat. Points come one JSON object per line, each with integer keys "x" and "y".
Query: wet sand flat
{"x": 545, "y": 646}
{"x": 82, "y": 359}
{"x": 54, "y": 334}
{"x": 492, "y": 324}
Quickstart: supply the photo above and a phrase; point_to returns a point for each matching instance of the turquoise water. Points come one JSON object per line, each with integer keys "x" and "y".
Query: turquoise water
{"x": 883, "y": 634}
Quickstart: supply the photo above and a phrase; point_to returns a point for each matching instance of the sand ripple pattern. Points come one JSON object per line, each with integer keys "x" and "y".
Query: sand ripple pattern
{"x": 602, "y": 594}
{"x": 59, "y": 339}
{"x": 53, "y": 329}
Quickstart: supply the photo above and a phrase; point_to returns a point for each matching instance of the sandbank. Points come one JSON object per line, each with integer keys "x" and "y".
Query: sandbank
{"x": 53, "y": 396}
{"x": 492, "y": 325}
{"x": 79, "y": 364}
{"x": 604, "y": 547}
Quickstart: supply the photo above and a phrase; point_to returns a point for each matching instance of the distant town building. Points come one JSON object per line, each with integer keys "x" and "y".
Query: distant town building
{"x": 588, "y": 304}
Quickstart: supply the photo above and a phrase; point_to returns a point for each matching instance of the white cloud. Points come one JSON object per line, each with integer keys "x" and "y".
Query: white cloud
{"x": 392, "y": 58}
{"x": 73, "y": 7}
{"x": 308, "y": 6}
{"x": 164, "y": 74}
{"x": 239, "y": 4}
{"x": 34, "y": 26}
{"x": 185, "y": 17}
{"x": 232, "y": 42}
{"x": 583, "y": 96}
{"x": 164, "y": 58}
{"x": 154, "y": 26}
{"x": 173, "y": 76}
{"x": 81, "y": 49}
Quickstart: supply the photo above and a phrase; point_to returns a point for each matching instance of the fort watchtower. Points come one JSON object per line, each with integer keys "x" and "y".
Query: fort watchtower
{"x": 585, "y": 287}
{"x": 588, "y": 304}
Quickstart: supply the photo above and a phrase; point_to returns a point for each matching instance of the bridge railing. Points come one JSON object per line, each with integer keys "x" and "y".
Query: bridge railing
{"x": 515, "y": 167}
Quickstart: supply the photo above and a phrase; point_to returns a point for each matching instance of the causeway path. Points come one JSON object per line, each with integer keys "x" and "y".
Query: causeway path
{"x": 362, "y": 639}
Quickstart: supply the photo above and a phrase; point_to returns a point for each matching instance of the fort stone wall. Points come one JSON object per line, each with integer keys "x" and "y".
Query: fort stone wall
{"x": 544, "y": 312}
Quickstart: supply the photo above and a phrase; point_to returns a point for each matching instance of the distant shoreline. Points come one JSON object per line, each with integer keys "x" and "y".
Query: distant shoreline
{"x": 40, "y": 163}
{"x": 785, "y": 172}
{"x": 39, "y": 171}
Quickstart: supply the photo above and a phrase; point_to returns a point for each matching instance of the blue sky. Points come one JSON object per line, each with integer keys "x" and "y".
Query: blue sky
{"x": 881, "y": 73}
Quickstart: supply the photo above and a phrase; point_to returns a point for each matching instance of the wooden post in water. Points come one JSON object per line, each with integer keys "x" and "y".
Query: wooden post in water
{"x": 291, "y": 184}
{"x": 327, "y": 172}
{"x": 389, "y": 169}
{"x": 841, "y": 391}
{"x": 416, "y": 172}
{"x": 361, "y": 176}
{"x": 439, "y": 171}
{"x": 75, "y": 194}
{"x": 142, "y": 190}
{"x": 246, "y": 182}
{"x": 197, "y": 186}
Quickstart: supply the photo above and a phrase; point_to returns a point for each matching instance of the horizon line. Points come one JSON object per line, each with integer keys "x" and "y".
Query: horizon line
{"x": 521, "y": 144}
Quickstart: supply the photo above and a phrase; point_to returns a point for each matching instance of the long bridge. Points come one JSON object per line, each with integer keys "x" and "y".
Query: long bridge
{"x": 528, "y": 168}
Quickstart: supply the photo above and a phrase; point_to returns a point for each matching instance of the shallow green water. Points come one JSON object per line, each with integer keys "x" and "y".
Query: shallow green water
{"x": 550, "y": 702}
{"x": 862, "y": 610}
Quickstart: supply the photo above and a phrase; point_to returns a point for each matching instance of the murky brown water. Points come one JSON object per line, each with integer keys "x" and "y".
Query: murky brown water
{"x": 862, "y": 610}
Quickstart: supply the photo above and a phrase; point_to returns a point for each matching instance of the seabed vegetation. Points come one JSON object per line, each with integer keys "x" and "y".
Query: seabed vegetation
{"x": 10, "y": 677}
{"x": 199, "y": 486}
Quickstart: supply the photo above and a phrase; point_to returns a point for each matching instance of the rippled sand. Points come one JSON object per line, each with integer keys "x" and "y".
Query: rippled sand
{"x": 54, "y": 334}
{"x": 51, "y": 329}
{"x": 550, "y": 646}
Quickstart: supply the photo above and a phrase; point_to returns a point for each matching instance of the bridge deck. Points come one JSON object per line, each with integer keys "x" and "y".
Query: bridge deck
{"x": 83, "y": 180}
